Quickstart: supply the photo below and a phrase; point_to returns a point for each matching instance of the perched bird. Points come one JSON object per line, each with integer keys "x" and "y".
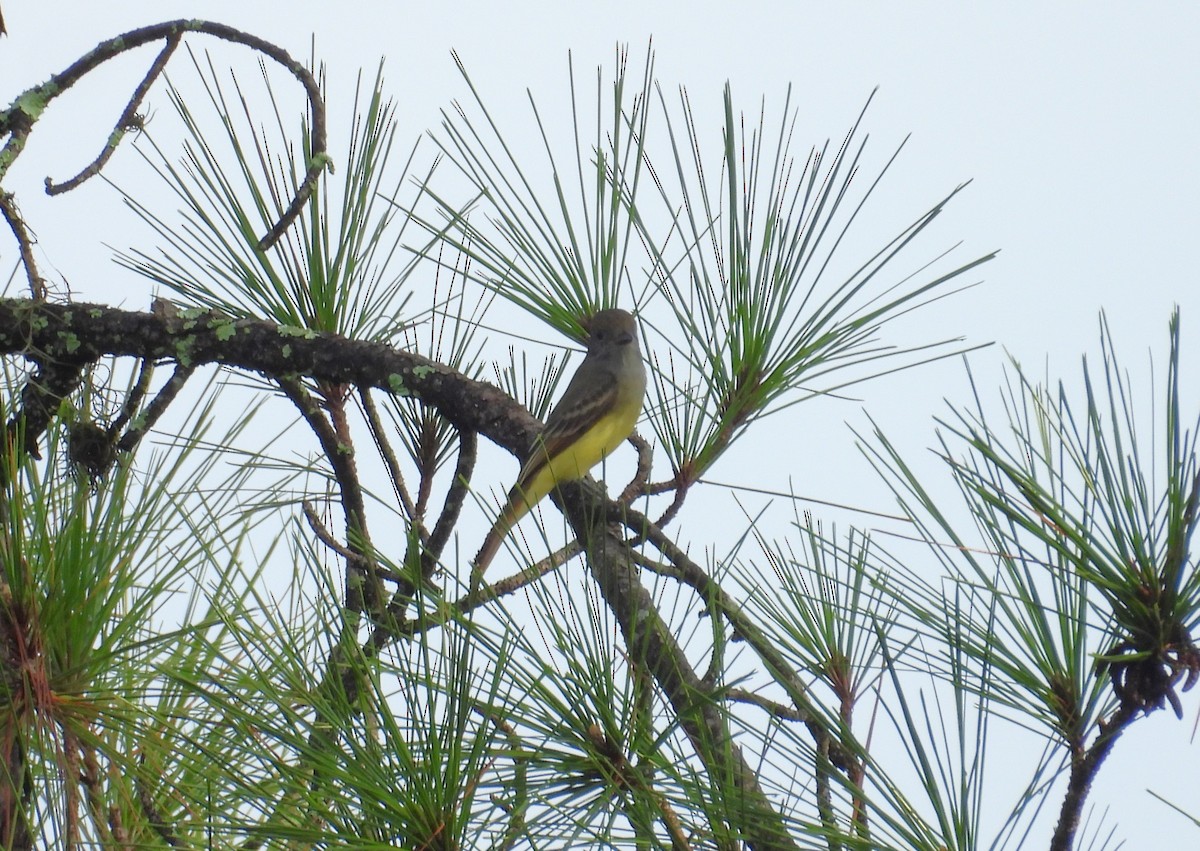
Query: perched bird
{"x": 594, "y": 416}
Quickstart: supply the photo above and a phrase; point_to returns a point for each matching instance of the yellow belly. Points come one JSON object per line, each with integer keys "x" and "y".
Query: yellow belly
{"x": 576, "y": 460}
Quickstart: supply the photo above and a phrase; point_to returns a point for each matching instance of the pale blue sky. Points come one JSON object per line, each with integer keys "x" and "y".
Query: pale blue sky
{"x": 1077, "y": 123}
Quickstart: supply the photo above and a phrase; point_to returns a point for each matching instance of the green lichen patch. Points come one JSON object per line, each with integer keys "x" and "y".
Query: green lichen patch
{"x": 70, "y": 341}
{"x": 183, "y": 350}
{"x": 397, "y": 385}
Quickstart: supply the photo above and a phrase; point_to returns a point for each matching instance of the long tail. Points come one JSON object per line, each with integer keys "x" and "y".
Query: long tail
{"x": 491, "y": 546}
{"x": 513, "y": 511}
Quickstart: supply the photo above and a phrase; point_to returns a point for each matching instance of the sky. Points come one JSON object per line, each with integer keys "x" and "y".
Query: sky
{"x": 1075, "y": 123}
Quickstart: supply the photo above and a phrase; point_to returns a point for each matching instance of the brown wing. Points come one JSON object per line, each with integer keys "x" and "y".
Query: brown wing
{"x": 590, "y": 393}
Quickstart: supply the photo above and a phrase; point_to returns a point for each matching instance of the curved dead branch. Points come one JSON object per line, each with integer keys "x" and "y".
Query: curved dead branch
{"x": 18, "y": 120}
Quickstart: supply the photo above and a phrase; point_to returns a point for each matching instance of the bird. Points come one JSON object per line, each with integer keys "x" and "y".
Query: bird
{"x": 595, "y": 415}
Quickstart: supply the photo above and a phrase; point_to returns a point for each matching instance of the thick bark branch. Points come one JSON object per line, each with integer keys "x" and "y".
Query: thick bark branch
{"x": 75, "y": 333}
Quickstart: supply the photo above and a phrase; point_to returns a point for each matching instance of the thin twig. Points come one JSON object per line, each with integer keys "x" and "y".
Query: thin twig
{"x": 157, "y": 407}
{"x": 478, "y": 597}
{"x": 326, "y": 537}
{"x": 25, "y": 243}
{"x": 90, "y": 777}
{"x": 152, "y": 813}
{"x": 386, "y": 452}
{"x": 655, "y": 488}
{"x": 456, "y": 496}
{"x": 425, "y": 456}
{"x": 134, "y": 400}
{"x": 771, "y": 707}
{"x": 710, "y": 591}
{"x": 363, "y": 590}
{"x": 642, "y": 474}
{"x": 16, "y": 792}
{"x": 621, "y": 771}
{"x": 824, "y": 783}
{"x": 127, "y": 121}
{"x": 673, "y": 509}
{"x": 513, "y": 806}
{"x": 530, "y": 574}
